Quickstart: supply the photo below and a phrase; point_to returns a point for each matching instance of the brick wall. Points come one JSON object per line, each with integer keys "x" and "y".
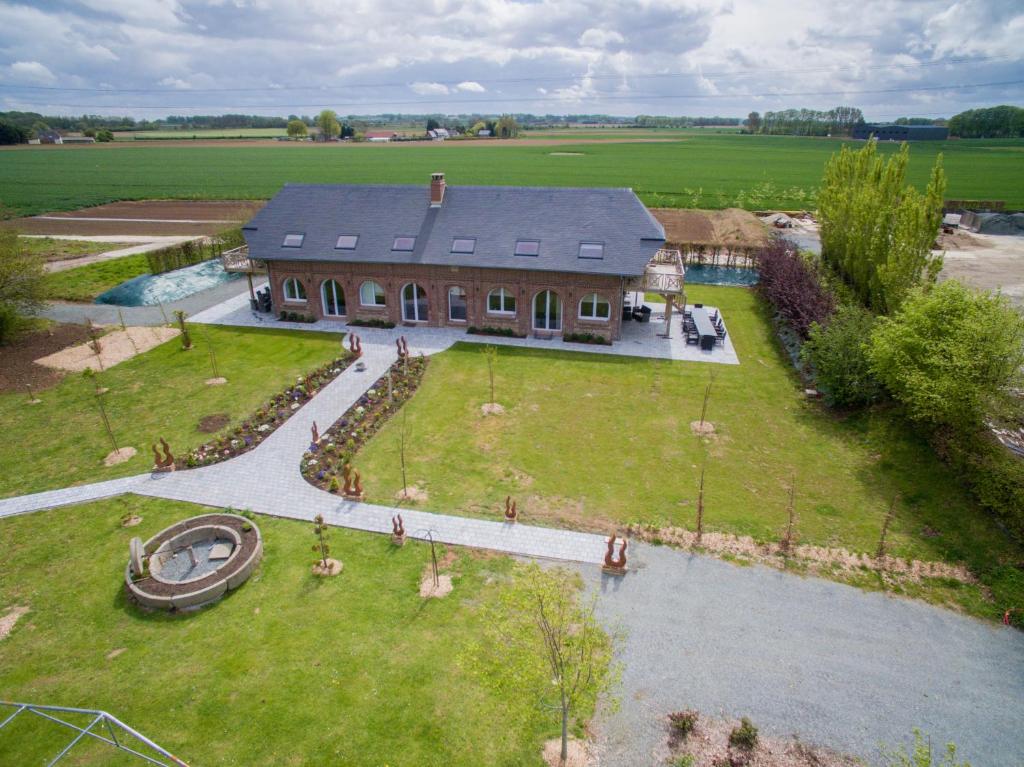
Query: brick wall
{"x": 436, "y": 281}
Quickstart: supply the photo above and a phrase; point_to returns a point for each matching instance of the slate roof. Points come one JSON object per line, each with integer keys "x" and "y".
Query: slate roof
{"x": 495, "y": 216}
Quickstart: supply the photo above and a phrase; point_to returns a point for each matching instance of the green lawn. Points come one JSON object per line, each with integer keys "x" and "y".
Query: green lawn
{"x": 160, "y": 393}
{"x": 84, "y": 283}
{"x": 707, "y": 170}
{"x": 287, "y": 670}
{"x": 53, "y": 249}
{"x": 599, "y": 441}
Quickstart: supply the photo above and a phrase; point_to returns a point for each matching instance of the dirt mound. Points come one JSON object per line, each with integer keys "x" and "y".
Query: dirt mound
{"x": 731, "y": 226}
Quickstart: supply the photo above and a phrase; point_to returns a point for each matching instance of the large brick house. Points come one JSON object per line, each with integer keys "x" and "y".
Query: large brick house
{"x": 537, "y": 260}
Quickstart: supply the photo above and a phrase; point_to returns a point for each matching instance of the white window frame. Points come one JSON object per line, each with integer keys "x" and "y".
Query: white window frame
{"x": 593, "y": 299}
{"x": 339, "y": 297}
{"x": 465, "y": 299}
{"x": 548, "y": 293}
{"x": 505, "y": 294}
{"x": 415, "y": 302}
{"x": 375, "y": 285}
{"x": 293, "y": 296}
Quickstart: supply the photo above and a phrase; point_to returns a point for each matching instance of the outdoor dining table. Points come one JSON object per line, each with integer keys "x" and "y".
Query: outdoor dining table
{"x": 705, "y": 329}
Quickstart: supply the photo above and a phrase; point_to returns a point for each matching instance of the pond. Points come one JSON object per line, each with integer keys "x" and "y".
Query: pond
{"x": 705, "y": 274}
{"x": 151, "y": 289}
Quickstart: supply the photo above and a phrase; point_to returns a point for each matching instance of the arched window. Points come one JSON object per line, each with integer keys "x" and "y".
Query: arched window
{"x": 333, "y": 298}
{"x": 371, "y": 294}
{"x": 294, "y": 290}
{"x": 414, "y": 303}
{"x": 547, "y": 311}
{"x": 595, "y": 307}
{"x": 501, "y": 301}
{"x": 457, "y": 304}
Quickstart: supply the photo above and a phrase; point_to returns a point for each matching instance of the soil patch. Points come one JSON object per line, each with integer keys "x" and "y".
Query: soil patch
{"x": 132, "y": 521}
{"x": 705, "y": 429}
{"x": 8, "y": 621}
{"x": 429, "y": 591}
{"x": 708, "y": 744}
{"x": 214, "y": 423}
{"x": 492, "y": 408}
{"x": 218, "y": 381}
{"x": 120, "y": 455}
{"x": 731, "y": 226}
{"x": 334, "y": 567}
{"x": 19, "y": 369}
{"x": 115, "y": 347}
{"x": 414, "y": 494}
{"x": 580, "y": 753}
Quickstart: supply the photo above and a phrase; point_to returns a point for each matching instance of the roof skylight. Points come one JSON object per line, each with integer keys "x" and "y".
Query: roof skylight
{"x": 293, "y": 240}
{"x": 527, "y": 247}
{"x": 405, "y": 244}
{"x": 591, "y": 250}
{"x": 463, "y": 245}
{"x": 346, "y": 242}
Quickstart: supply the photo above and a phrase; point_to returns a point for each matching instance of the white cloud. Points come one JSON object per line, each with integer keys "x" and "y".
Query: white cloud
{"x": 470, "y": 87}
{"x": 429, "y": 89}
{"x": 176, "y": 83}
{"x": 600, "y": 38}
{"x": 31, "y": 72}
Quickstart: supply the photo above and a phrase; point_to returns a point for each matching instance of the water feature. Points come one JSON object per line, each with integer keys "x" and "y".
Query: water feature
{"x": 180, "y": 566}
{"x": 706, "y": 274}
{"x": 151, "y": 289}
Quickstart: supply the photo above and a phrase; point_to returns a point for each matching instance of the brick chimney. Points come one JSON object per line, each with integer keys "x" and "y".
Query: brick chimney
{"x": 436, "y": 189}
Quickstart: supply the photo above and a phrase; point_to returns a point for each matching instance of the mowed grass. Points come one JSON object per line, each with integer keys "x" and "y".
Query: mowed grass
{"x": 161, "y": 393}
{"x": 596, "y": 442}
{"x": 54, "y": 249}
{"x": 705, "y": 170}
{"x": 84, "y": 283}
{"x": 287, "y": 670}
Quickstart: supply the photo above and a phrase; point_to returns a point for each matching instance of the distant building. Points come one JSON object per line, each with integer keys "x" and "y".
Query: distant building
{"x": 887, "y": 132}
{"x": 78, "y": 140}
{"x": 50, "y": 137}
{"x": 379, "y": 135}
{"x": 483, "y": 133}
{"x": 440, "y": 134}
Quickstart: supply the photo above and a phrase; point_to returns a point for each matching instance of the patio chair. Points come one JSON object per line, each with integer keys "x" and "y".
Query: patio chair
{"x": 692, "y": 338}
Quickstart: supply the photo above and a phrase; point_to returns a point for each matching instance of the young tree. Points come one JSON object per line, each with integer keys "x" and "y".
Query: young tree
{"x": 876, "y": 231}
{"x": 21, "y": 283}
{"x": 952, "y": 355}
{"x": 403, "y": 436}
{"x": 491, "y": 355}
{"x": 321, "y": 547}
{"x": 327, "y": 122}
{"x": 540, "y": 640}
{"x": 297, "y": 128}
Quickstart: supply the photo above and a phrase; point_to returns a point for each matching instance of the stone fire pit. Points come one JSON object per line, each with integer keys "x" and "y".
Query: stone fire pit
{"x": 193, "y": 562}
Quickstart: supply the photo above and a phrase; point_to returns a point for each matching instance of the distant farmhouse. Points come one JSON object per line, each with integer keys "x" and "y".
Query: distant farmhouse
{"x": 535, "y": 260}
{"x": 50, "y": 137}
{"x": 380, "y": 136}
{"x": 439, "y": 134}
{"x": 887, "y": 132}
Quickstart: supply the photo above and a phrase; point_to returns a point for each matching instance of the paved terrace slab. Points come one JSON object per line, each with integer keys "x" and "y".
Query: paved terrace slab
{"x": 639, "y": 339}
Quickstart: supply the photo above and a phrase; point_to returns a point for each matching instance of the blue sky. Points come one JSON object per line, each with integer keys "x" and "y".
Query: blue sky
{"x": 150, "y": 58}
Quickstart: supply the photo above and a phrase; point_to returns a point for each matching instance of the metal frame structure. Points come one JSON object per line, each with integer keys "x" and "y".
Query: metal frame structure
{"x": 99, "y": 720}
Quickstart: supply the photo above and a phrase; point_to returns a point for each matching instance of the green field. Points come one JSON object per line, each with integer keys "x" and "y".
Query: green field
{"x": 699, "y": 170}
{"x": 202, "y": 133}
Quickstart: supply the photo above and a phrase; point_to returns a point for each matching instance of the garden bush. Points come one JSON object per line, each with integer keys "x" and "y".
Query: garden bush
{"x": 586, "y": 338}
{"x": 837, "y": 354}
{"x": 744, "y": 735}
{"x": 683, "y": 722}
{"x": 372, "y": 323}
{"x": 487, "y": 330}
{"x": 793, "y": 286}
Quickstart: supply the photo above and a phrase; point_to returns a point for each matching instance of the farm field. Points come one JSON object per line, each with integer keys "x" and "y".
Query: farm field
{"x": 697, "y": 170}
{"x": 215, "y": 133}
{"x": 599, "y": 442}
{"x": 287, "y": 670}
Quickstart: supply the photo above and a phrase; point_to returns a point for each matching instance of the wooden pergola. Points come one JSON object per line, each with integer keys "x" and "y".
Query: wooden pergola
{"x": 666, "y": 276}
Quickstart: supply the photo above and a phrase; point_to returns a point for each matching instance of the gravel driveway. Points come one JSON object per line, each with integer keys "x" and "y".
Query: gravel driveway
{"x": 840, "y": 667}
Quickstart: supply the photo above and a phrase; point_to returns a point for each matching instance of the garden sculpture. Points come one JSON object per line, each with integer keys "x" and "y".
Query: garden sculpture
{"x": 346, "y": 473}
{"x": 397, "y": 530}
{"x": 612, "y": 564}
{"x": 165, "y": 462}
{"x": 511, "y": 515}
{"x": 316, "y": 434}
{"x": 357, "y": 483}
{"x": 355, "y": 345}
{"x": 403, "y": 348}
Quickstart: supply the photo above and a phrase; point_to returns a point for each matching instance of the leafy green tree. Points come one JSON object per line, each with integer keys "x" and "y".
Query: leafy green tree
{"x": 754, "y": 122}
{"x": 21, "y": 283}
{"x": 104, "y": 135}
{"x": 327, "y": 122}
{"x": 837, "y": 353}
{"x": 951, "y": 355}
{"x": 540, "y": 640}
{"x": 297, "y": 128}
{"x": 876, "y": 231}
{"x": 12, "y": 134}
{"x": 478, "y": 126}
{"x": 432, "y": 124}
{"x": 506, "y": 127}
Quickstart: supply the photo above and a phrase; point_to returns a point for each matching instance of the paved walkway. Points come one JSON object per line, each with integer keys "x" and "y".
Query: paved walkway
{"x": 267, "y": 481}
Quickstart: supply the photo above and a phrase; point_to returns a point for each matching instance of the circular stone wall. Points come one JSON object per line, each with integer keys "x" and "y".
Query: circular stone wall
{"x": 183, "y": 566}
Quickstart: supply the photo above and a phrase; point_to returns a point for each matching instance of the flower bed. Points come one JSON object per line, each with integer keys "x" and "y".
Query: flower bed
{"x": 261, "y": 424}
{"x": 322, "y": 465}
{"x": 296, "y": 317}
{"x": 487, "y": 330}
{"x": 586, "y": 338}
{"x": 373, "y": 323}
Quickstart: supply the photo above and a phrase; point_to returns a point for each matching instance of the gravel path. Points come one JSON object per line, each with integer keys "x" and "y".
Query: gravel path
{"x": 840, "y": 667}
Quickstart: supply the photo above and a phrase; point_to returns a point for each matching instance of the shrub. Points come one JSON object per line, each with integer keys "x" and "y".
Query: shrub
{"x": 586, "y": 338}
{"x": 21, "y": 282}
{"x": 8, "y": 322}
{"x": 683, "y": 722}
{"x": 923, "y": 755}
{"x": 744, "y": 735}
{"x": 793, "y": 286}
{"x": 372, "y": 323}
{"x": 293, "y": 317}
{"x": 951, "y": 355}
{"x": 837, "y": 353}
{"x": 487, "y": 330}
{"x": 684, "y": 760}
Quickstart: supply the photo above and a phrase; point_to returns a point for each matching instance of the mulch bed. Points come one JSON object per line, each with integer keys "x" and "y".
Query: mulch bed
{"x": 322, "y": 465}
{"x": 265, "y": 421}
{"x": 249, "y": 540}
{"x": 19, "y": 369}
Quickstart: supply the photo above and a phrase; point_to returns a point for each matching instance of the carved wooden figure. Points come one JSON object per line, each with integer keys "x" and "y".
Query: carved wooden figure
{"x": 316, "y": 434}
{"x": 511, "y": 514}
{"x": 397, "y": 530}
{"x": 612, "y": 564}
{"x": 163, "y": 462}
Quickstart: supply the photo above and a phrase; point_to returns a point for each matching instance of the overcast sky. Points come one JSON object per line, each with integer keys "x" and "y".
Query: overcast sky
{"x": 625, "y": 57}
